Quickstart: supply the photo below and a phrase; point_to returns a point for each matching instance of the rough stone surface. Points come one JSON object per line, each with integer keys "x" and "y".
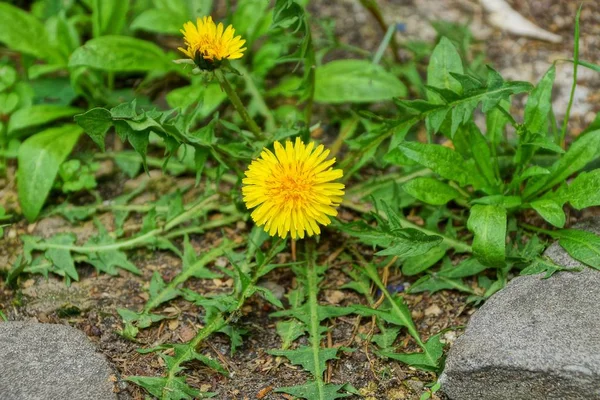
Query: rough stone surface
{"x": 535, "y": 339}
{"x": 51, "y": 362}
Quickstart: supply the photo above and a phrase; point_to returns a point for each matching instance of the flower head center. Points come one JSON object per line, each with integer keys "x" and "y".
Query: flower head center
{"x": 292, "y": 189}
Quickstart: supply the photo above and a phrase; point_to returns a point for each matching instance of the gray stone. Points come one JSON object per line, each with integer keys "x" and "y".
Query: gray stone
{"x": 535, "y": 339}
{"x": 51, "y": 362}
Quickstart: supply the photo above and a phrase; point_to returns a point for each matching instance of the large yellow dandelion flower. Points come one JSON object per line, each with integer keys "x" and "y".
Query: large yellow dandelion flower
{"x": 293, "y": 189}
{"x": 208, "y": 43}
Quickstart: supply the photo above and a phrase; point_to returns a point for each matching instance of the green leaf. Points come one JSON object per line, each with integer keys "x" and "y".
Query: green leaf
{"x": 539, "y": 104}
{"x": 444, "y": 161}
{"x": 39, "y": 158}
{"x": 435, "y": 351}
{"x": 582, "y": 151}
{"x": 289, "y": 331}
{"x": 468, "y": 267}
{"x": 22, "y": 32}
{"x": 499, "y": 200}
{"x": 39, "y": 114}
{"x": 314, "y": 391}
{"x": 416, "y": 265}
{"x": 584, "y": 191}
{"x": 544, "y": 266}
{"x": 108, "y": 16}
{"x": 95, "y": 123}
{"x": 304, "y": 356}
{"x": 488, "y": 224}
{"x": 581, "y": 245}
{"x": 444, "y": 60}
{"x": 8, "y": 76}
{"x": 120, "y": 54}
{"x": 551, "y": 211}
{"x": 61, "y": 258}
{"x": 355, "y": 81}
{"x": 430, "y": 190}
{"x": 471, "y": 143}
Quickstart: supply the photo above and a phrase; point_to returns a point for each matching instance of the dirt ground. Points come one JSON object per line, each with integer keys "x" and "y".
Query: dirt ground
{"x": 90, "y": 304}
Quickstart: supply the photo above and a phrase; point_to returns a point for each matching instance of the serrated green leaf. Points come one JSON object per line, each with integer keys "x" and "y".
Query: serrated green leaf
{"x": 289, "y": 331}
{"x": 444, "y": 161}
{"x": 62, "y": 258}
{"x": 544, "y": 266}
{"x": 305, "y": 357}
{"x": 429, "y": 361}
{"x": 95, "y": 122}
{"x": 488, "y": 224}
{"x": 313, "y": 391}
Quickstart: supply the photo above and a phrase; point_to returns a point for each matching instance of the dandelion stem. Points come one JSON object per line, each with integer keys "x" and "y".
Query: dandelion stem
{"x": 237, "y": 103}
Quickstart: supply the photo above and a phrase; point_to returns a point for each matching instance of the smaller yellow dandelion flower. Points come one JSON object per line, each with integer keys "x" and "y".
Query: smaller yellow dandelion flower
{"x": 208, "y": 44}
{"x": 293, "y": 189}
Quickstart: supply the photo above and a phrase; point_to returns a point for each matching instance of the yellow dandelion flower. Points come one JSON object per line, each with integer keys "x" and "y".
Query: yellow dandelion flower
{"x": 208, "y": 44}
{"x": 293, "y": 189}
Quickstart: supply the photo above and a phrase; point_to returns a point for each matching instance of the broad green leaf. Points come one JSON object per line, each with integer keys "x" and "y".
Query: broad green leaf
{"x": 95, "y": 123}
{"x": 468, "y": 267}
{"x": 433, "y": 283}
{"x": 488, "y": 224}
{"x": 581, "y": 245}
{"x": 444, "y": 60}
{"x": 495, "y": 122}
{"x": 584, "y": 191}
{"x": 168, "y": 16}
{"x": 471, "y": 143}
{"x": 120, "y": 54}
{"x": 444, "y": 161}
{"x": 8, "y": 76}
{"x": 22, "y": 32}
{"x": 160, "y": 21}
{"x": 208, "y": 96}
{"x": 39, "y": 158}
{"x": 38, "y": 114}
{"x": 551, "y": 211}
{"x": 585, "y": 149}
{"x": 108, "y": 16}
{"x": 355, "y": 81}
{"x": 499, "y": 200}
{"x": 539, "y": 104}
{"x": 416, "y": 265}
{"x": 430, "y": 191}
